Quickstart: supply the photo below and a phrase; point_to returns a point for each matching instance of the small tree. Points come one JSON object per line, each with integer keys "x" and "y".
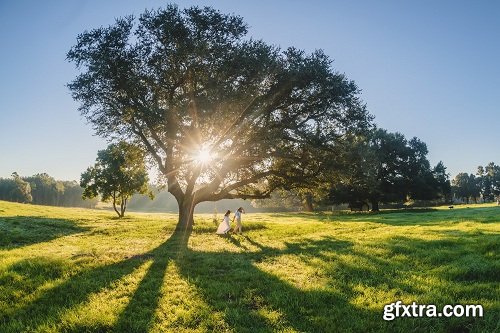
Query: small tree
{"x": 118, "y": 173}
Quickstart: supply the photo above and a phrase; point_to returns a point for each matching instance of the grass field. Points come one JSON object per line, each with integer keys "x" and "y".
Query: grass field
{"x": 75, "y": 270}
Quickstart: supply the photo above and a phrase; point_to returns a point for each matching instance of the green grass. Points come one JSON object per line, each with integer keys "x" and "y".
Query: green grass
{"x": 76, "y": 270}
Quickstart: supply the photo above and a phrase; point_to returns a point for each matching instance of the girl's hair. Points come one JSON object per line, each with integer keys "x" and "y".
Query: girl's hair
{"x": 227, "y": 213}
{"x": 240, "y": 209}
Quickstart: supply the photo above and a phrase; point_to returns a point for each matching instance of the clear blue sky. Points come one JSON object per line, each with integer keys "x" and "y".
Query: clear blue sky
{"x": 429, "y": 69}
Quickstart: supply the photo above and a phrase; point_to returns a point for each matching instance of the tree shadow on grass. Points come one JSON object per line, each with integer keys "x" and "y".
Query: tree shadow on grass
{"x": 427, "y": 217}
{"x": 209, "y": 229}
{"x": 465, "y": 257}
{"x": 18, "y": 231}
{"x": 20, "y": 280}
{"x": 248, "y": 292}
{"x": 256, "y": 300}
{"x": 250, "y": 298}
{"x": 51, "y": 305}
{"x": 462, "y": 269}
{"x": 401, "y": 217}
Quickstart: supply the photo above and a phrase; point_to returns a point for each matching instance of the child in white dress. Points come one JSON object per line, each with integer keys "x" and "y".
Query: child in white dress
{"x": 224, "y": 226}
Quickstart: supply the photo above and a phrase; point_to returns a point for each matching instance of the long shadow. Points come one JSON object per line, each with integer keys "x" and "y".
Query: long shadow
{"x": 400, "y": 217}
{"x": 236, "y": 241}
{"x": 427, "y": 217}
{"x": 20, "y": 280}
{"x": 254, "y": 300}
{"x": 467, "y": 267}
{"x": 52, "y": 304}
{"x": 467, "y": 256}
{"x": 139, "y": 314}
{"x": 459, "y": 269}
{"x": 209, "y": 229}
{"x": 18, "y": 231}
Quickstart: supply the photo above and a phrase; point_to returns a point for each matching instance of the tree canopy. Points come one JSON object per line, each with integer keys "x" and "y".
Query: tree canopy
{"x": 222, "y": 115}
{"x": 489, "y": 181}
{"x": 386, "y": 167}
{"x": 466, "y": 186}
{"x": 15, "y": 189}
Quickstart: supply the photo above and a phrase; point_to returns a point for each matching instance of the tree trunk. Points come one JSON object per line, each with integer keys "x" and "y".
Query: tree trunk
{"x": 114, "y": 207}
{"x": 308, "y": 202}
{"x": 375, "y": 207}
{"x": 186, "y": 209}
{"x": 123, "y": 206}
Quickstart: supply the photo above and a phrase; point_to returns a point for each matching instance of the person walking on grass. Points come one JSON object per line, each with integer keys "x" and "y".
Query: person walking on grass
{"x": 237, "y": 217}
{"x": 224, "y": 226}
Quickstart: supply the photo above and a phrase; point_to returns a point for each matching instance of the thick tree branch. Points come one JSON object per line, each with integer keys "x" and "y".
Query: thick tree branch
{"x": 137, "y": 131}
{"x": 171, "y": 171}
{"x": 207, "y": 193}
{"x": 220, "y": 196}
{"x": 248, "y": 181}
{"x": 192, "y": 180}
{"x": 173, "y": 185}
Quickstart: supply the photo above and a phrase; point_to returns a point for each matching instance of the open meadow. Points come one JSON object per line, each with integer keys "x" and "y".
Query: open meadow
{"x": 77, "y": 270}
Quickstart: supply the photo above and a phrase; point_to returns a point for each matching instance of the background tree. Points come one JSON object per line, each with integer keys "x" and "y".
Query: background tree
{"x": 280, "y": 200}
{"x": 72, "y": 196}
{"x": 466, "y": 186}
{"x": 6, "y": 187}
{"x": 442, "y": 182}
{"x": 21, "y": 190}
{"x": 44, "y": 189}
{"x": 385, "y": 167}
{"x": 356, "y": 179}
{"x": 221, "y": 115}
{"x": 293, "y": 199}
{"x": 118, "y": 173}
{"x": 489, "y": 181}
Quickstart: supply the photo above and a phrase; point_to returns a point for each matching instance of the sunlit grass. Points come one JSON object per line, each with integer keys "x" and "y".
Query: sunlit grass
{"x": 76, "y": 270}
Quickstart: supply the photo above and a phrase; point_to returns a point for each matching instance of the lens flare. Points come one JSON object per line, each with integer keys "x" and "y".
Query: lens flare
{"x": 204, "y": 155}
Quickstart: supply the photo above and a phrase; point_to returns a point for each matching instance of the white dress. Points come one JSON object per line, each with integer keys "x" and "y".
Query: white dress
{"x": 224, "y": 226}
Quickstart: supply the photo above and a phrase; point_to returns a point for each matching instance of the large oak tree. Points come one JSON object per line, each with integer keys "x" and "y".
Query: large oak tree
{"x": 222, "y": 115}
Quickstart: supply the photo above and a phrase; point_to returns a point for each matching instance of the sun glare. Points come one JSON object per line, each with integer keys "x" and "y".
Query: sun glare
{"x": 204, "y": 156}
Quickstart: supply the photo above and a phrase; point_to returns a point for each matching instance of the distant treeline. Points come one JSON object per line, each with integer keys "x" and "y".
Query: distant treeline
{"x": 42, "y": 189}
{"x": 483, "y": 186}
